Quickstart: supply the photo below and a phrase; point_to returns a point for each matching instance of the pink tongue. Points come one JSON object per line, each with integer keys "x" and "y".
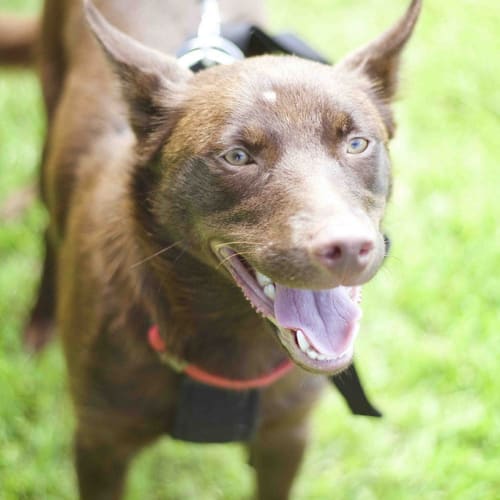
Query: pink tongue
{"x": 327, "y": 317}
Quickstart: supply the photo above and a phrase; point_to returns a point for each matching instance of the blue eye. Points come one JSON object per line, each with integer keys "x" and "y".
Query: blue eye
{"x": 238, "y": 157}
{"x": 357, "y": 145}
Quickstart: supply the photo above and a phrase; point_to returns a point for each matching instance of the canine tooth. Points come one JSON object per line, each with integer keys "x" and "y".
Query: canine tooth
{"x": 321, "y": 357}
{"x": 269, "y": 291}
{"x": 302, "y": 341}
{"x": 263, "y": 280}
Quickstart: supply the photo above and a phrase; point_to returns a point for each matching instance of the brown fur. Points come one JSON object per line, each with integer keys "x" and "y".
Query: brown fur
{"x": 18, "y": 37}
{"x": 137, "y": 192}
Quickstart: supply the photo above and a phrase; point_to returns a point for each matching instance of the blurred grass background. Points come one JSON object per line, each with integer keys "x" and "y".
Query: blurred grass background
{"x": 429, "y": 350}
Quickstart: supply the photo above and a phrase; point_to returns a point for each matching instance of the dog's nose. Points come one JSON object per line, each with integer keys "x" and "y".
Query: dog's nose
{"x": 343, "y": 250}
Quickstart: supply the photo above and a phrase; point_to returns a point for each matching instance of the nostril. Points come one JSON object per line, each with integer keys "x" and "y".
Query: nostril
{"x": 333, "y": 253}
{"x": 365, "y": 248}
{"x": 350, "y": 252}
{"x": 346, "y": 248}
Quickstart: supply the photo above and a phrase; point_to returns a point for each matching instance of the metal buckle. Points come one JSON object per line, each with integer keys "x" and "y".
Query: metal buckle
{"x": 173, "y": 362}
{"x": 209, "y": 48}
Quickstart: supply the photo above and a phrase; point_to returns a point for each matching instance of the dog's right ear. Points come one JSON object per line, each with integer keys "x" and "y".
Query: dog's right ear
{"x": 151, "y": 81}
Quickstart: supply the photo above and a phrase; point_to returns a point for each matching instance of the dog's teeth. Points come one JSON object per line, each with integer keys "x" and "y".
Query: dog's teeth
{"x": 269, "y": 291}
{"x": 312, "y": 353}
{"x": 306, "y": 347}
{"x": 302, "y": 341}
{"x": 263, "y": 280}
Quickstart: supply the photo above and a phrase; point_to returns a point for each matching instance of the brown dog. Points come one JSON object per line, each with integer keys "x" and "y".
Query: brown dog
{"x": 238, "y": 210}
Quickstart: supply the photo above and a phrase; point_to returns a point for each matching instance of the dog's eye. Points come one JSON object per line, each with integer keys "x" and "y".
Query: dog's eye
{"x": 357, "y": 145}
{"x": 238, "y": 157}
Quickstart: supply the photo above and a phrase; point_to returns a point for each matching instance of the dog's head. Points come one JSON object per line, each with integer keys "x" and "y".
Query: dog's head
{"x": 275, "y": 167}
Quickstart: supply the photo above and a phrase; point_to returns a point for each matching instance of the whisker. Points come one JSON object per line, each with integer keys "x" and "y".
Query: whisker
{"x": 225, "y": 259}
{"x": 384, "y": 272}
{"x": 241, "y": 242}
{"x": 222, "y": 261}
{"x": 394, "y": 257}
{"x": 163, "y": 250}
{"x": 181, "y": 253}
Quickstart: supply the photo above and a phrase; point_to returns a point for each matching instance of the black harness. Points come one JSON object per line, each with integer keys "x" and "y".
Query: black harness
{"x": 207, "y": 414}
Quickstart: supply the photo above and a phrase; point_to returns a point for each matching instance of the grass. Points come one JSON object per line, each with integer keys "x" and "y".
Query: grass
{"x": 429, "y": 347}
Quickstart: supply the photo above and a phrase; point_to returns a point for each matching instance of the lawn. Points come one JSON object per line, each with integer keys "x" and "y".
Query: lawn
{"x": 429, "y": 350}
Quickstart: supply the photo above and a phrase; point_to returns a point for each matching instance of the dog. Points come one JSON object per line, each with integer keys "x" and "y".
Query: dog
{"x": 233, "y": 214}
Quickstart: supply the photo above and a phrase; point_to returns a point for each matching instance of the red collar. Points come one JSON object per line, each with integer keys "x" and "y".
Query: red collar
{"x": 196, "y": 373}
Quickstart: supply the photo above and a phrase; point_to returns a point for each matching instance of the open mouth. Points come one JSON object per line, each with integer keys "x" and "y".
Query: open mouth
{"x": 316, "y": 327}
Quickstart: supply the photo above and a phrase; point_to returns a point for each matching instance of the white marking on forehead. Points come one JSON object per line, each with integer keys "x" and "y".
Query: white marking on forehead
{"x": 269, "y": 96}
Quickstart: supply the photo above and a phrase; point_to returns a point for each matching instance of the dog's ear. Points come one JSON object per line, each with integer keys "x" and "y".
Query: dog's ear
{"x": 378, "y": 62}
{"x": 151, "y": 81}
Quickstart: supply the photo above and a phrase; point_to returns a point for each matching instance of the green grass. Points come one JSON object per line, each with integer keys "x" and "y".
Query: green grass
{"x": 429, "y": 349}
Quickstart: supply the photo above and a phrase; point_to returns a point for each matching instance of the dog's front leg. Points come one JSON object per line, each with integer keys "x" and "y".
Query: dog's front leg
{"x": 102, "y": 465}
{"x": 276, "y": 455}
{"x": 40, "y": 326}
{"x": 101, "y": 469}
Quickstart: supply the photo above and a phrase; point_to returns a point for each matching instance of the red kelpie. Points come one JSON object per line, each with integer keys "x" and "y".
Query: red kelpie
{"x": 233, "y": 214}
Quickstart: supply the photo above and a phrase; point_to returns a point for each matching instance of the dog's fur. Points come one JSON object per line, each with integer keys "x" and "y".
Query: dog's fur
{"x": 18, "y": 35}
{"x": 138, "y": 192}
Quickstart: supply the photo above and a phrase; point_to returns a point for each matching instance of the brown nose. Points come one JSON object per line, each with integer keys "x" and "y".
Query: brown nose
{"x": 343, "y": 249}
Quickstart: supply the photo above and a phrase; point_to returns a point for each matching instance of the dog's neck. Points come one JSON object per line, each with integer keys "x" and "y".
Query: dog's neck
{"x": 199, "y": 310}
{"x": 216, "y": 318}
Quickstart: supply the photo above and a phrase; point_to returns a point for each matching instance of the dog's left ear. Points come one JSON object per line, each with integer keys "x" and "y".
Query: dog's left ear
{"x": 151, "y": 82}
{"x": 378, "y": 62}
